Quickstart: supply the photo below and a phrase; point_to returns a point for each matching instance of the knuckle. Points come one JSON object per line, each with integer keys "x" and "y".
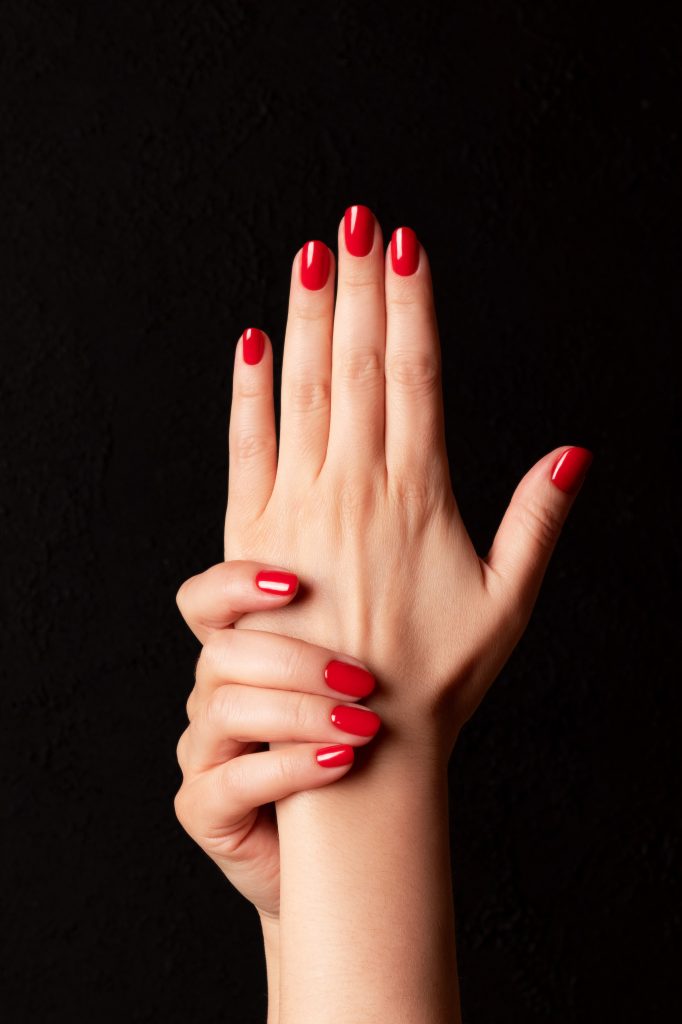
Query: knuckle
{"x": 405, "y": 298}
{"x": 541, "y": 521}
{"x": 250, "y": 385}
{"x": 223, "y": 707}
{"x": 286, "y": 770}
{"x": 356, "y": 501}
{"x": 414, "y": 372}
{"x": 299, "y": 711}
{"x": 310, "y": 312}
{"x": 361, "y": 366}
{"x": 249, "y": 444}
{"x": 291, "y": 662}
{"x": 357, "y": 279}
{"x": 231, "y": 781}
{"x": 213, "y": 651}
{"x": 183, "y": 808}
{"x": 413, "y": 492}
{"x": 191, "y": 705}
{"x": 180, "y": 750}
{"x": 309, "y": 395}
{"x": 181, "y": 596}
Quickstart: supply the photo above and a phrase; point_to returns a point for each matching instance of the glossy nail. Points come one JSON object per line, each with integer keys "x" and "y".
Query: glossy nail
{"x": 358, "y": 721}
{"x": 358, "y": 224}
{"x": 272, "y": 581}
{"x": 253, "y": 345}
{"x": 335, "y": 756}
{"x": 349, "y": 679}
{"x": 570, "y": 469}
{"x": 314, "y": 265}
{"x": 404, "y": 251}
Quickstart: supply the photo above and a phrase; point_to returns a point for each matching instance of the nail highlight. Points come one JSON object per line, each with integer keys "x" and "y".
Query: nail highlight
{"x": 349, "y": 679}
{"x": 358, "y": 721}
{"x": 570, "y": 469}
{"x": 358, "y": 223}
{"x": 404, "y": 251}
{"x": 272, "y": 581}
{"x": 335, "y": 756}
{"x": 314, "y": 265}
{"x": 253, "y": 345}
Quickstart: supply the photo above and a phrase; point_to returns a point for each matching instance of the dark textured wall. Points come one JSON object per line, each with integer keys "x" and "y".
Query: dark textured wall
{"x": 163, "y": 163}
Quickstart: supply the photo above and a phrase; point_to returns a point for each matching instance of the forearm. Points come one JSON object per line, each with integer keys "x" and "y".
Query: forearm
{"x": 271, "y": 944}
{"x": 367, "y": 921}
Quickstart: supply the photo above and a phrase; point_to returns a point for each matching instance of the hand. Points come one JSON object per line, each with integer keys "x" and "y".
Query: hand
{"x": 253, "y": 687}
{"x": 359, "y": 496}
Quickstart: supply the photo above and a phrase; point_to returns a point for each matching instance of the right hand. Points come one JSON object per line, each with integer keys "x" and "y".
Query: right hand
{"x": 253, "y": 688}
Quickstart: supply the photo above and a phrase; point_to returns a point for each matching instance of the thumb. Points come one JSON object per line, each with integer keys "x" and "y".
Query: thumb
{"x": 525, "y": 539}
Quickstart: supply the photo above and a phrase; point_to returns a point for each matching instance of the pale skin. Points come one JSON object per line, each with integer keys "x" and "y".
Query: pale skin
{"x": 354, "y": 893}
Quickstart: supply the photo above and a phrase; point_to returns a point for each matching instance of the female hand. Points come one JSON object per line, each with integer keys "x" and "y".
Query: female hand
{"x": 359, "y": 498}
{"x": 251, "y": 688}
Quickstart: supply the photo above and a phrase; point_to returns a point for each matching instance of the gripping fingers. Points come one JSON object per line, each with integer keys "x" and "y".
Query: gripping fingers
{"x": 216, "y": 807}
{"x": 277, "y": 662}
{"x": 236, "y": 715}
{"x": 214, "y": 599}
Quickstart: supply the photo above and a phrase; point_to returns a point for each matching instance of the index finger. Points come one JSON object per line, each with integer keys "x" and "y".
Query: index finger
{"x": 216, "y": 598}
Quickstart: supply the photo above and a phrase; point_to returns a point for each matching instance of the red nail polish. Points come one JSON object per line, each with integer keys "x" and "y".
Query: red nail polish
{"x": 272, "y": 581}
{"x": 335, "y": 756}
{"x": 570, "y": 469}
{"x": 359, "y": 721}
{"x": 404, "y": 251}
{"x": 358, "y": 225}
{"x": 253, "y": 345}
{"x": 314, "y": 265}
{"x": 349, "y": 679}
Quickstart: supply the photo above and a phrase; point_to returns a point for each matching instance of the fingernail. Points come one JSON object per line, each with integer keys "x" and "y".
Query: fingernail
{"x": 349, "y": 679}
{"x": 358, "y": 223}
{"x": 404, "y": 251}
{"x": 314, "y": 265}
{"x": 253, "y": 345}
{"x": 570, "y": 469}
{"x": 359, "y": 721}
{"x": 272, "y": 581}
{"x": 335, "y": 756}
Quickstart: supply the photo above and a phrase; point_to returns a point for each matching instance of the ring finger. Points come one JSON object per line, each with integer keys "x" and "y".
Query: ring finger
{"x": 240, "y": 714}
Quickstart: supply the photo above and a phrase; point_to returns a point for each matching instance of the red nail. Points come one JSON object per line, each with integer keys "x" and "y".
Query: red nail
{"x": 253, "y": 345}
{"x": 359, "y": 721}
{"x": 404, "y": 251}
{"x": 570, "y": 469}
{"x": 335, "y": 756}
{"x": 358, "y": 225}
{"x": 314, "y": 265}
{"x": 349, "y": 679}
{"x": 272, "y": 581}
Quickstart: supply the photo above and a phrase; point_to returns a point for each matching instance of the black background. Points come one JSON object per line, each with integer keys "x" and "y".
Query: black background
{"x": 163, "y": 163}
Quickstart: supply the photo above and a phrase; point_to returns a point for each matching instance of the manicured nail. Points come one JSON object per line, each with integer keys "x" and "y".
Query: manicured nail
{"x": 570, "y": 469}
{"x": 335, "y": 756}
{"x": 358, "y": 225}
{"x": 314, "y": 265}
{"x": 349, "y": 679}
{"x": 253, "y": 345}
{"x": 404, "y": 251}
{"x": 272, "y": 581}
{"x": 359, "y": 721}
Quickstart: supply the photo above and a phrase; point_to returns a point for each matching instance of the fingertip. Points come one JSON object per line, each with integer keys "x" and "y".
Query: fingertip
{"x": 252, "y": 346}
{"x": 337, "y": 755}
{"x": 570, "y": 469}
{"x": 357, "y": 231}
{"x": 277, "y": 583}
